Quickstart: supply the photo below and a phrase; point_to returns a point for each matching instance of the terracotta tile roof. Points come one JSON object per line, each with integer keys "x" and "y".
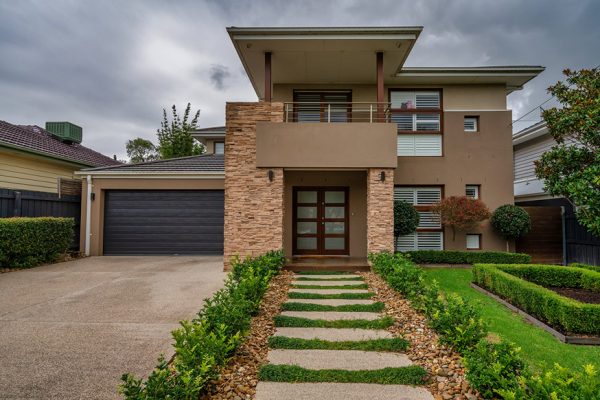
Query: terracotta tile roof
{"x": 38, "y": 140}
{"x": 201, "y": 163}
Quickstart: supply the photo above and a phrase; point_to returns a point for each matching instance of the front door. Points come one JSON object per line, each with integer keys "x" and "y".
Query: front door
{"x": 320, "y": 220}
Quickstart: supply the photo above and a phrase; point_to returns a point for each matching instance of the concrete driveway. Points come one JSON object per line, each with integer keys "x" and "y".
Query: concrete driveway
{"x": 70, "y": 330}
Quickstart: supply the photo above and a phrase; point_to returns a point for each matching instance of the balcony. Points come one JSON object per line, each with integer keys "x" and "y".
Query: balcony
{"x": 337, "y": 112}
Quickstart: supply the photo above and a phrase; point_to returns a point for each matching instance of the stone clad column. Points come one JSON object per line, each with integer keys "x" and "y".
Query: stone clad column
{"x": 253, "y": 202}
{"x": 380, "y": 210}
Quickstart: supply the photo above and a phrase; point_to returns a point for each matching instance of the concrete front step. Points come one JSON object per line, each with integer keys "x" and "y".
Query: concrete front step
{"x": 339, "y": 391}
{"x": 333, "y": 334}
{"x": 350, "y": 360}
{"x": 345, "y": 276}
{"x": 332, "y": 315}
{"x": 332, "y": 302}
{"x": 329, "y": 283}
{"x": 328, "y": 291}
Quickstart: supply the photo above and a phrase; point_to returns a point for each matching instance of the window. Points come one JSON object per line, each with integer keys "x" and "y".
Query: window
{"x": 418, "y": 117}
{"x": 471, "y": 124}
{"x": 473, "y": 241}
{"x": 472, "y": 191}
{"x": 322, "y": 106}
{"x": 429, "y": 234}
{"x": 219, "y": 147}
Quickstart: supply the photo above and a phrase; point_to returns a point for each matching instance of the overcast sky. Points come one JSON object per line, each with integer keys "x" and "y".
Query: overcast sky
{"x": 111, "y": 66}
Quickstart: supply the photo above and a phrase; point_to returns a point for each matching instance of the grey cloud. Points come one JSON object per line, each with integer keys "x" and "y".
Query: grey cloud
{"x": 218, "y": 75}
{"x": 111, "y": 66}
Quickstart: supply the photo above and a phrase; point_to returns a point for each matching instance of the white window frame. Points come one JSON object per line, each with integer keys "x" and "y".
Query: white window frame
{"x": 469, "y": 244}
{"x": 475, "y": 188}
{"x": 475, "y": 121}
{"x": 215, "y": 147}
{"x": 421, "y": 197}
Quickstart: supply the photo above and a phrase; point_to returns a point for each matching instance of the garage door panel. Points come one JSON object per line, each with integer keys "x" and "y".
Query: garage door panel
{"x": 163, "y": 222}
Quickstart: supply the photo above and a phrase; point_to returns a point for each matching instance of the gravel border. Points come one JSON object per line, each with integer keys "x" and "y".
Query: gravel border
{"x": 447, "y": 375}
{"x": 239, "y": 378}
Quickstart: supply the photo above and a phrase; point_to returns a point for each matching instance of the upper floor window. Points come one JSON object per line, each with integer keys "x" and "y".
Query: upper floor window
{"x": 219, "y": 147}
{"x": 416, "y": 111}
{"x": 322, "y": 106}
{"x": 471, "y": 124}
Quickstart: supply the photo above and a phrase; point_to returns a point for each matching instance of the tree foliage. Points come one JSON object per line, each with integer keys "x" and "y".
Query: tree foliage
{"x": 406, "y": 219}
{"x": 461, "y": 213}
{"x": 175, "y": 136}
{"x": 510, "y": 221}
{"x": 571, "y": 168}
{"x": 141, "y": 150}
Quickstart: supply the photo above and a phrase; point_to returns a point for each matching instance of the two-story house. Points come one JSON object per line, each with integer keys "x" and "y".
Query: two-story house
{"x": 341, "y": 129}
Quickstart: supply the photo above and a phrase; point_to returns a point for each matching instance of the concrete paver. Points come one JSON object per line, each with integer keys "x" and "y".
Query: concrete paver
{"x": 332, "y": 315}
{"x": 345, "y": 276}
{"x": 332, "y": 302}
{"x": 328, "y": 291}
{"x": 339, "y": 391}
{"x": 350, "y": 360}
{"x": 329, "y": 283}
{"x": 333, "y": 334}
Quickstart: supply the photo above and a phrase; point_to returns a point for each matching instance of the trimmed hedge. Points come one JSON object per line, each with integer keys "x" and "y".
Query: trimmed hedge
{"x": 585, "y": 266}
{"x": 204, "y": 345}
{"x": 555, "y": 276}
{"x": 560, "y": 312}
{"x": 467, "y": 257}
{"x": 27, "y": 242}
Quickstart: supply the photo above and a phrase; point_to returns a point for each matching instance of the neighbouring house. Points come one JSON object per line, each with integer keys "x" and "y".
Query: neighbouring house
{"x": 556, "y": 236}
{"x": 341, "y": 129}
{"x": 37, "y": 170}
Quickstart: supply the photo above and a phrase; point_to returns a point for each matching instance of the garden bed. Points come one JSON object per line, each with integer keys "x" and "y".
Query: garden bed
{"x": 536, "y": 291}
{"x": 582, "y": 295}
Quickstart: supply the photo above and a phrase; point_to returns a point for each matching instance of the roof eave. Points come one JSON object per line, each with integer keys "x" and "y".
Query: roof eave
{"x": 164, "y": 174}
{"x": 46, "y": 155}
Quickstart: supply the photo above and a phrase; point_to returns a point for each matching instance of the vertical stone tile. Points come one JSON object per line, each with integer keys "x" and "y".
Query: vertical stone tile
{"x": 380, "y": 210}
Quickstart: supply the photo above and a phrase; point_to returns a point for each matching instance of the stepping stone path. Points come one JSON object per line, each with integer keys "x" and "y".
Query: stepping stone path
{"x": 345, "y": 360}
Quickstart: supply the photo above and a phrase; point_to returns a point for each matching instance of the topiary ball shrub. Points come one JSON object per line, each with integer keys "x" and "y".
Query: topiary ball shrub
{"x": 511, "y": 222}
{"x": 406, "y": 218}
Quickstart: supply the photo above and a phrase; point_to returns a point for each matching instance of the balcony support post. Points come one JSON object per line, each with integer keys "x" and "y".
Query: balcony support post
{"x": 380, "y": 92}
{"x": 268, "y": 76}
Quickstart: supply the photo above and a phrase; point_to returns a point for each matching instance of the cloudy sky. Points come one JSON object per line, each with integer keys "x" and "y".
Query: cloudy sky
{"x": 110, "y": 66}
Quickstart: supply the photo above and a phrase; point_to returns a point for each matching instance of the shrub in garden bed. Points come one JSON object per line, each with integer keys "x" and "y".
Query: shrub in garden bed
{"x": 205, "y": 344}
{"x": 515, "y": 284}
{"x": 585, "y": 266}
{"x": 467, "y": 257}
{"x": 27, "y": 242}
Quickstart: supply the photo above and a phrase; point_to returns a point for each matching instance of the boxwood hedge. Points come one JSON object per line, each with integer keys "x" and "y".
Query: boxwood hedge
{"x": 27, "y": 242}
{"x": 515, "y": 284}
{"x": 585, "y": 266}
{"x": 467, "y": 257}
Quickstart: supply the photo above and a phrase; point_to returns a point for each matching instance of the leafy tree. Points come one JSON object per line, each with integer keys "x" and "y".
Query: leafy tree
{"x": 406, "y": 219}
{"x": 571, "y": 168}
{"x": 141, "y": 150}
{"x": 461, "y": 213}
{"x": 175, "y": 138}
{"x": 511, "y": 222}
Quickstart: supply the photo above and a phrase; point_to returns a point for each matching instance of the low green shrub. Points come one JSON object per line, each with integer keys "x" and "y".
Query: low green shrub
{"x": 555, "y": 275}
{"x": 27, "y": 242}
{"x": 557, "y": 311}
{"x": 595, "y": 268}
{"x": 205, "y": 344}
{"x": 467, "y": 257}
{"x": 558, "y": 383}
{"x": 457, "y": 322}
{"x": 492, "y": 367}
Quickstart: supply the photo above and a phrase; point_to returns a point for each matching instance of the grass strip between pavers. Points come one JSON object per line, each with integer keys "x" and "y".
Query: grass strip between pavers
{"x": 350, "y": 287}
{"x": 387, "y": 345}
{"x": 302, "y": 278}
{"x": 375, "y": 307}
{"x": 346, "y": 296}
{"x": 297, "y": 322}
{"x": 412, "y": 375}
{"x": 324, "y": 273}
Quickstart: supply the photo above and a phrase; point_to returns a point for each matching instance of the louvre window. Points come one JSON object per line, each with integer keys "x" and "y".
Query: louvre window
{"x": 315, "y": 106}
{"x": 472, "y": 191}
{"x": 471, "y": 124}
{"x": 429, "y": 235}
{"x": 419, "y": 145}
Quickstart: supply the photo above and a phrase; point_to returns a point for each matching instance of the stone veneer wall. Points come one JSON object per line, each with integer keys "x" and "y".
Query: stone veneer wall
{"x": 254, "y": 206}
{"x": 380, "y": 210}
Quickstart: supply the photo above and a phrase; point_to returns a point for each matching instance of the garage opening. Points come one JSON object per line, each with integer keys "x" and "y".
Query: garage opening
{"x": 163, "y": 222}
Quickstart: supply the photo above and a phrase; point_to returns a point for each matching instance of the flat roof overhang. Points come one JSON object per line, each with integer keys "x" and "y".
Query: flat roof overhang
{"x": 345, "y": 55}
{"x": 513, "y": 77}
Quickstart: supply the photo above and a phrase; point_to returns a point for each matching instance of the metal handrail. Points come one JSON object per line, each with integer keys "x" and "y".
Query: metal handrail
{"x": 332, "y": 112}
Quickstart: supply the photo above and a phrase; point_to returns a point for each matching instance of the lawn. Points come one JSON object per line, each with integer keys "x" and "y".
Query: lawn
{"x": 537, "y": 346}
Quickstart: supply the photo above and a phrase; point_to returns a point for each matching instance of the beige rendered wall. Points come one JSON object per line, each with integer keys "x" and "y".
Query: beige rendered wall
{"x": 477, "y": 158}
{"x": 357, "y": 202}
{"x": 454, "y": 97}
{"x": 101, "y": 185}
{"x": 20, "y": 171}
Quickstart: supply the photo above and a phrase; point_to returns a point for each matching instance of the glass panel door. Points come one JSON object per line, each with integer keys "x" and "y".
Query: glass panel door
{"x": 320, "y": 220}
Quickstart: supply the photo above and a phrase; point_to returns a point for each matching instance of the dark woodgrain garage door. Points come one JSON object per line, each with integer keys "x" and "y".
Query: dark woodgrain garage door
{"x": 138, "y": 222}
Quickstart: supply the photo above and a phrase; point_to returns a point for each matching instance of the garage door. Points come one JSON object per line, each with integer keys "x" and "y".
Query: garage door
{"x": 163, "y": 222}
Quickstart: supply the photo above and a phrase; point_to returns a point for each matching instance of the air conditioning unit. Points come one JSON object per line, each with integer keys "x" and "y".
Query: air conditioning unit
{"x": 65, "y": 131}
